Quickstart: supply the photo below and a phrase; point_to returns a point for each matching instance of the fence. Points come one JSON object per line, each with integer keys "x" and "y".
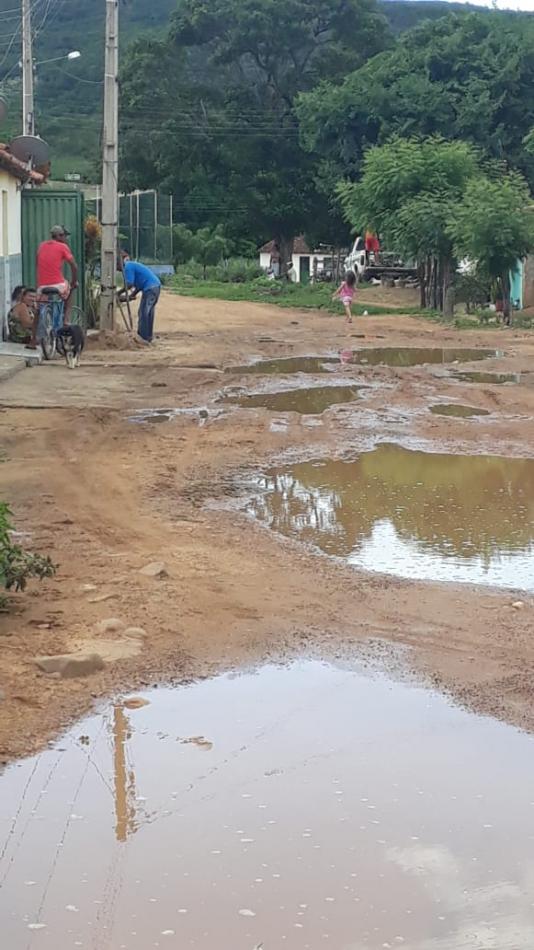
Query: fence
{"x": 145, "y": 225}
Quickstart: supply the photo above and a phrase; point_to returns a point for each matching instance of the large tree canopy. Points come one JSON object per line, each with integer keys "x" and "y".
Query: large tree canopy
{"x": 217, "y": 96}
{"x": 468, "y": 76}
{"x": 409, "y": 191}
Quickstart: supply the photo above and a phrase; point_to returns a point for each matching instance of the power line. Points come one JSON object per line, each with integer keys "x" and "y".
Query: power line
{"x": 33, "y": 9}
{"x": 91, "y": 82}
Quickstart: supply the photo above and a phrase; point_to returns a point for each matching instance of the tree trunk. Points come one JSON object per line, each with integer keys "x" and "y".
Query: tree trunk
{"x": 422, "y": 286}
{"x": 432, "y": 283}
{"x": 285, "y": 249}
{"x": 447, "y": 288}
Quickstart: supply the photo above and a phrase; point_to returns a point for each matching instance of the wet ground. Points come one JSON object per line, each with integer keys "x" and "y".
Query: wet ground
{"x": 495, "y": 379}
{"x": 305, "y": 806}
{"x": 374, "y": 356}
{"x": 418, "y": 356}
{"x": 297, "y": 786}
{"x": 457, "y": 411}
{"x": 307, "y": 401}
{"x": 413, "y": 514}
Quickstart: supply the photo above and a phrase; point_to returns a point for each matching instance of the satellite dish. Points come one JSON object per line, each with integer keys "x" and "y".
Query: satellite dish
{"x": 3, "y": 109}
{"x": 30, "y": 149}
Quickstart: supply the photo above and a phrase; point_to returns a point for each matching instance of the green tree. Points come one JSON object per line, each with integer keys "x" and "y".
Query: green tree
{"x": 408, "y": 192}
{"x": 217, "y": 97}
{"x": 183, "y": 244}
{"x": 494, "y": 226}
{"x": 210, "y": 247}
{"x": 467, "y": 76}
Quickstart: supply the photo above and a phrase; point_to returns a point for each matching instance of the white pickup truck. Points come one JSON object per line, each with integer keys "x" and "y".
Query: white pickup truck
{"x": 365, "y": 266}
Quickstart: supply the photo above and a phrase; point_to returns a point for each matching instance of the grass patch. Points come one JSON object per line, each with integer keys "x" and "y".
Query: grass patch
{"x": 280, "y": 294}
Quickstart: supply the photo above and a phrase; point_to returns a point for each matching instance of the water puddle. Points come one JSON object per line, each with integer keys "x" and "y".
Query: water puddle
{"x": 156, "y": 416}
{"x": 308, "y": 401}
{"x": 413, "y": 514}
{"x": 459, "y": 412}
{"x": 308, "y": 806}
{"x": 495, "y": 378}
{"x": 416, "y": 356}
{"x": 373, "y": 356}
{"x": 153, "y": 416}
{"x": 287, "y": 365}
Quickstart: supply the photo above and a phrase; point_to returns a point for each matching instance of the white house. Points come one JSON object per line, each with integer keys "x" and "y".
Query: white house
{"x": 306, "y": 262}
{"x": 13, "y": 174}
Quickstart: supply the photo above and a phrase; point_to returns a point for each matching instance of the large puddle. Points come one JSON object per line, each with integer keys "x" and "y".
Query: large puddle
{"x": 412, "y": 514}
{"x": 374, "y": 356}
{"x": 416, "y": 356}
{"x": 308, "y": 401}
{"x": 301, "y": 807}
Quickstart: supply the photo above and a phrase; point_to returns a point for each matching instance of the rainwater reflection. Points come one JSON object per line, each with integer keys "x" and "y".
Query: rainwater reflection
{"x": 413, "y": 514}
{"x": 305, "y": 806}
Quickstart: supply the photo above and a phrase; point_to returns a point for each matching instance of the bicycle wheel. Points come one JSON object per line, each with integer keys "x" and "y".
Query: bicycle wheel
{"x": 77, "y": 317}
{"x": 47, "y": 335}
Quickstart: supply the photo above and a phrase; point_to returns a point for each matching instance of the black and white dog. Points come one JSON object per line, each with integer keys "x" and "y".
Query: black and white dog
{"x": 70, "y": 343}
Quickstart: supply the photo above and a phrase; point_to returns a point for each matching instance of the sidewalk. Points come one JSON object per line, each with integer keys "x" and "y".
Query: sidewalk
{"x": 14, "y": 357}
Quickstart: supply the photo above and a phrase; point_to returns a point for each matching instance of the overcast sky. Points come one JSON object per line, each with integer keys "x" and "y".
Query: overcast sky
{"x": 508, "y": 4}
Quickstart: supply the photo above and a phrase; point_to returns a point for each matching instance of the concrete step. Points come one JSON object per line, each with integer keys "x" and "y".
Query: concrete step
{"x": 19, "y": 351}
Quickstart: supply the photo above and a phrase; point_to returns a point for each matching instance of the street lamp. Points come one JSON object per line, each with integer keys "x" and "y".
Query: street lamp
{"x": 75, "y": 54}
{"x": 28, "y": 69}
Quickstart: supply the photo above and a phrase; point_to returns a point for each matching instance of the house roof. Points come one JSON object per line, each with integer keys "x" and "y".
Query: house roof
{"x": 299, "y": 247}
{"x": 18, "y": 169}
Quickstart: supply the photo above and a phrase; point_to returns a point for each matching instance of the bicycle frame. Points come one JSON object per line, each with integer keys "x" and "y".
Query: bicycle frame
{"x": 58, "y": 309}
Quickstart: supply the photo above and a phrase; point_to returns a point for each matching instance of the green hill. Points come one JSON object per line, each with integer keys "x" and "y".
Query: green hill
{"x": 69, "y": 94}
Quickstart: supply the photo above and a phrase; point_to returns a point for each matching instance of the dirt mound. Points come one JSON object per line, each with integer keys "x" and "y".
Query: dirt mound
{"x": 116, "y": 340}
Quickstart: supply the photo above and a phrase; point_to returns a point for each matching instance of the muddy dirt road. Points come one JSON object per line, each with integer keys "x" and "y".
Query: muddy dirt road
{"x": 161, "y": 457}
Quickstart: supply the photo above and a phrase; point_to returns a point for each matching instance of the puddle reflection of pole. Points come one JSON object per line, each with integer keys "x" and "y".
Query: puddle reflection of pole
{"x": 125, "y": 823}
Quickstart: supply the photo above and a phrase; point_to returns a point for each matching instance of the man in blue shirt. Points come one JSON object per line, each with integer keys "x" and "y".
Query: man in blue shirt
{"x": 140, "y": 279}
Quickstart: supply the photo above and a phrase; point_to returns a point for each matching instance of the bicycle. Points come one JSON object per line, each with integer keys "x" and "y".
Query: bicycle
{"x": 51, "y": 316}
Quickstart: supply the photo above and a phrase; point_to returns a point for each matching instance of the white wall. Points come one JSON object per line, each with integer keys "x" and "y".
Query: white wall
{"x": 320, "y": 261}
{"x": 10, "y": 215}
{"x": 265, "y": 262}
{"x": 10, "y": 239}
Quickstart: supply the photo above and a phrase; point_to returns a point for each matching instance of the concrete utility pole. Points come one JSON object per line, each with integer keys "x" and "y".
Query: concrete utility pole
{"x": 110, "y": 169}
{"x": 28, "y": 114}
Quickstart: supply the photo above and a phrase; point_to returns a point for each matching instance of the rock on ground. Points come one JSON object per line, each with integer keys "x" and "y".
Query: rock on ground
{"x": 135, "y": 633}
{"x": 71, "y": 665}
{"x": 112, "y": 625}
{"x": 155, "y": 569}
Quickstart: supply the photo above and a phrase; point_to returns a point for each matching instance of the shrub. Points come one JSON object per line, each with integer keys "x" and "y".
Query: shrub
{"x": 16, "y": 564}
{"x": 472, "y": 289}
{"x": 237, "y": 270}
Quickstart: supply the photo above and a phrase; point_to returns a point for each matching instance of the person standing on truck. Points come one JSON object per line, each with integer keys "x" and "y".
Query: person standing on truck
{"x": 139, "y": 279}
{"x": 52, "y": 255}
{"x": 372, "y": 246}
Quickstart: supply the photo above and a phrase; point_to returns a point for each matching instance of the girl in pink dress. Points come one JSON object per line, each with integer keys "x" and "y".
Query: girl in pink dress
{"x": 346, "y": 294}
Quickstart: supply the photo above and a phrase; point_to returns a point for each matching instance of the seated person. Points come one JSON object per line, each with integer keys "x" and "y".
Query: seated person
{"x": 23, "y": 317}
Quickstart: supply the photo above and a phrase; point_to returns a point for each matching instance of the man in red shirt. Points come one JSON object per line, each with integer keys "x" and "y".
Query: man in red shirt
{"x": 51, "y": 256}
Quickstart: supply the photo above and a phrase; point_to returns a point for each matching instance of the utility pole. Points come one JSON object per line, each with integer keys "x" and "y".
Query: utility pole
{"x": 28, "y": 114}
{"x": 110, "y": 169}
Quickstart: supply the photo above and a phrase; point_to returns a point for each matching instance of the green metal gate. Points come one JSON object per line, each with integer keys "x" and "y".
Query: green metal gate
{"x": 41, "y": 210}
